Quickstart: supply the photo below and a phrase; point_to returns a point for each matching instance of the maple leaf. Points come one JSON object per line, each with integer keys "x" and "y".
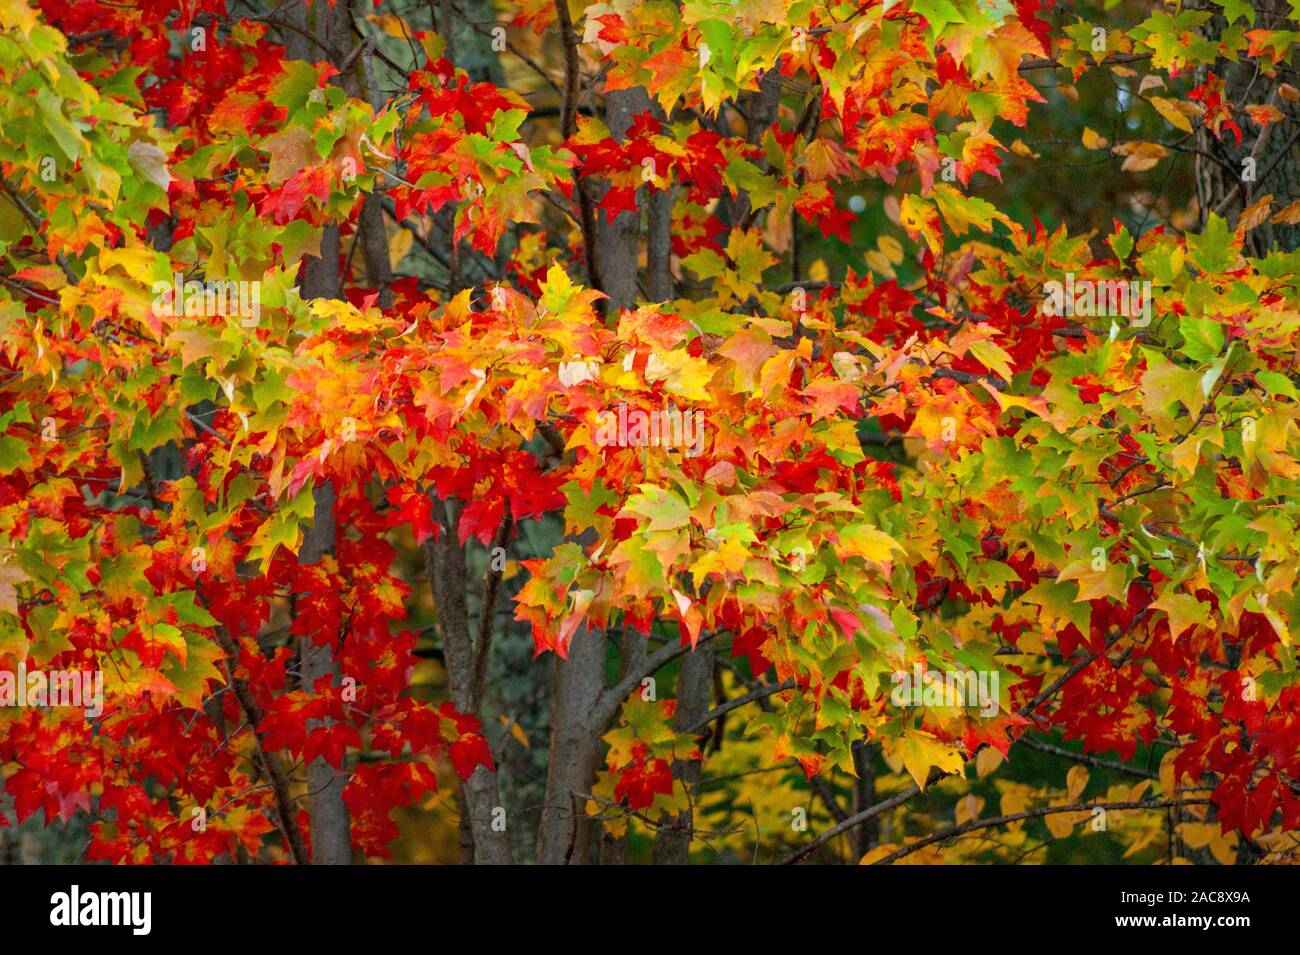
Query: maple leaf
{"x": 920, "y": 752}
{"x": 330, "y": 743}
{"x": 415, "y": 509}
{"x": 468, "y": 752}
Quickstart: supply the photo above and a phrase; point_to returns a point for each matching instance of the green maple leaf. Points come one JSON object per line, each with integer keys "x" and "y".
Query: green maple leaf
{"x": 191, "y": 677}
{"x": 937, "y": 13}
{"x": 1237, "y": 8}
{"x": 1212, "y": 250}
{"x": 1202, "y": 338}
{"x": 14, "y": 455}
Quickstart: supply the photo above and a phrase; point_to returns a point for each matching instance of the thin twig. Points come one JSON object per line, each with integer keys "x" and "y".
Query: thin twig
{"x": 976, "y": 824}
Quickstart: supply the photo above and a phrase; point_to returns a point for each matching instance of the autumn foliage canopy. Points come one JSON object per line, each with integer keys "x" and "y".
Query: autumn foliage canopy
{"x": 717, "y": 354}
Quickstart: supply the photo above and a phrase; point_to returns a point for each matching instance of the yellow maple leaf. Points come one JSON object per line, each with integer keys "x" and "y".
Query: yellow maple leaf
{"x": 867, "y": 542}
{"x": 1184, "y": 611}
{"x": 1172, "y": 112}
{"x": 920, "y": 751}
{"x": 1093, "y": 140}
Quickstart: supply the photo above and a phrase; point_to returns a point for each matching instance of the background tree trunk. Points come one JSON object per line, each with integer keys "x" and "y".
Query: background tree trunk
{"x": 867, "y": 836}
{"x": 1275, "y": 150}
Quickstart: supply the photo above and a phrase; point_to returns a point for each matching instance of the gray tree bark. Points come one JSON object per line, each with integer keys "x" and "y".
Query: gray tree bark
{"x": 566, "y": 829}
{"x": 484, "y": 835}
{"x": 331, "y": 826}
{"x": 580, "y": 709}
{"x": 482, "y": 840}
{"x": 694, "y": 688}
{"x": 331, "y": 834}
{"x": 866, "y": 836}
{"x": 1229, "y": 177}
{"x": 566, "y": 834}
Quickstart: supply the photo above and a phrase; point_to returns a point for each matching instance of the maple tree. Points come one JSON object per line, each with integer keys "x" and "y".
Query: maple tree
{"x": 316, "y": 320}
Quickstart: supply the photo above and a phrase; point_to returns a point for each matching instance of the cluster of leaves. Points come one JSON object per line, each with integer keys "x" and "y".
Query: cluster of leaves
{"x": 170, "y": 587}
{"x": 935, "y": 473}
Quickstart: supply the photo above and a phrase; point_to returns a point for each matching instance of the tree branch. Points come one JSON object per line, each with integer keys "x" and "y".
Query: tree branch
{"x": 935, "y": 775}
{"x": 269, "y": 762}
{"x": 976, "y": 824}
{"x": 1088, "y": 758}
{"x": 36, "y": 222}
{"x": 757, "y": 694}
{"x": 613, "y": 697}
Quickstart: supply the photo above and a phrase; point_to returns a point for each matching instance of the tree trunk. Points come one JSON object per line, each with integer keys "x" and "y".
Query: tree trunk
{"x": 331, "y": 828}
{"x": 866, "y": 836}
{"x": 575, "y": 746}
{"x": 566, "y": 834}
{"x": 618, "y": 237}
{"x": 1229, "y": 177}
{"x": 331, "y": 836}
{"x": 480, "y": 799}
{"x": 694, "y": 688}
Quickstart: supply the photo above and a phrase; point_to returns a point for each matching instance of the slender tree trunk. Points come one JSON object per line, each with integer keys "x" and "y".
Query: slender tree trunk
{"x": 1230, "y": 177}
{"x": 320, "y": 277}
{"x": 567, "y": 834}
{"x": 618, "y": 237}
{"x": 659, "y": 246}
{"x": 694, "y": 689}
{"x": 483, "y": 837}
{"x": 575, "y": 747}
{"x": 761, "y": 108}
{"x": 480, "y": 800}
{"x": 373, "y": 237}
{"x": 331, "y": 837}
{"x": 331, "y": 829}
{"x": 867, "y": 836}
